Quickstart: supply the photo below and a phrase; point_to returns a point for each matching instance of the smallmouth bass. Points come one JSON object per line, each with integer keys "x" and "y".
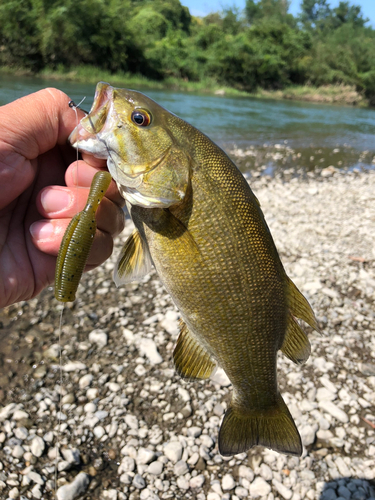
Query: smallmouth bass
{"x": 198, "y": 222}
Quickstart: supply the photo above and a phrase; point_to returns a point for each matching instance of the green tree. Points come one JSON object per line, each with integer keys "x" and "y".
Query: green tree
{"x": 314, "y": 12}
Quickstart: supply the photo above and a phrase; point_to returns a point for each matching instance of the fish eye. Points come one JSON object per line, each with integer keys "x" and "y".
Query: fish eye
{"x": 141, "y": 118}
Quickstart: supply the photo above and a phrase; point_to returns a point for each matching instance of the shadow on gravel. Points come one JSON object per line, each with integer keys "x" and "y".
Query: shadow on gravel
{"x": 347, "y": 488}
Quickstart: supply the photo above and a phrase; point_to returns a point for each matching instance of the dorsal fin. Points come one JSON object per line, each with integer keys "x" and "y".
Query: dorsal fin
{"x": 134, "y": 261}
{"x": 190, "y": 358}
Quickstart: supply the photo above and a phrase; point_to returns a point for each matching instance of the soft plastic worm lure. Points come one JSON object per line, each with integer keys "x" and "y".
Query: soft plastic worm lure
{"x": 76, "y": 244}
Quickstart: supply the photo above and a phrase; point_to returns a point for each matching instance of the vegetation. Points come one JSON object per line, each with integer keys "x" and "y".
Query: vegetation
{"x": 264, "y": 47}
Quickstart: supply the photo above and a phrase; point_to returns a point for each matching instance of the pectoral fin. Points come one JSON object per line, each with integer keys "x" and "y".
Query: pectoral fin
{"x": 191, "y": 359}
{"x": 134, "y": 261}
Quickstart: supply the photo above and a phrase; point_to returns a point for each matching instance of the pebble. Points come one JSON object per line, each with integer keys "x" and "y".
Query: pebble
{"x": 72, "y": 490}
{"x": 197, "y": 481}
{"x": 139, "y": 482}
{"x": 86, "y": 381}
{"x": 37, "y": 446}
{"x": 228, "y": 483}
{"x": 282, "y": 490}
{"x": 259, "y": 488}
{"x": 155, "y": 468}
{"x": 180, "y": 468}
{"x": 173, "y": 450}
{"x": 333, "y": 410}
{"x": 148, "y": 348}
{"x": 98, "y": 337}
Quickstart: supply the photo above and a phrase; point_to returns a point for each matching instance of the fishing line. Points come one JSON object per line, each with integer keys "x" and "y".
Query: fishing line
{"x": 73, "y": 106}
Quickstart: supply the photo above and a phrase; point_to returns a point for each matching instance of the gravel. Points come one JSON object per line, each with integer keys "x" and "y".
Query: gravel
{"x": 130, "y": 428}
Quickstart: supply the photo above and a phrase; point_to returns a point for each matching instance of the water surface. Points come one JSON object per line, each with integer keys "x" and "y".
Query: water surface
{"x": 243, "y": 121}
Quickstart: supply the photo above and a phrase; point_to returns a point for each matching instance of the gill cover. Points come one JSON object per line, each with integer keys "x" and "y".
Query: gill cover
{"x": 143, "y": 157}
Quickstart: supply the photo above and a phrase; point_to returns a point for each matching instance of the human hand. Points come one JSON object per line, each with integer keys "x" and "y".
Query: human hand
{"x": 35, "y": 204}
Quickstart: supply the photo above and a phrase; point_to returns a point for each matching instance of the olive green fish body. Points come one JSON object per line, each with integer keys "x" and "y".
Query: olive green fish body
{"x": 201, "y": 226}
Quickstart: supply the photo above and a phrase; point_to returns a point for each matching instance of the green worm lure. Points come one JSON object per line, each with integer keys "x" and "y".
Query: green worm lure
{"x": 77, "y": 241}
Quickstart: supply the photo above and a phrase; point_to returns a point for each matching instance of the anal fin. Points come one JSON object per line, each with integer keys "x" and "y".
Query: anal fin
{"x": 296, "y": 345}
{"x": 134, "y": 261}
{"x": 191, "y": 359}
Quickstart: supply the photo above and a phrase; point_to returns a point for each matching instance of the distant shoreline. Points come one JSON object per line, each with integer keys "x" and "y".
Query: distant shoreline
{"x": 327, "y": 94}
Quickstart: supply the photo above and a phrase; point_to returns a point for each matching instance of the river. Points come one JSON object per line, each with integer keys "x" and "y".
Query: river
{"x": 315, "y": 135}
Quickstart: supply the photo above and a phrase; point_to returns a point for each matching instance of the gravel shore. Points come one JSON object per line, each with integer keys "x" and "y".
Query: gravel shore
{"x": 130, "y": 428}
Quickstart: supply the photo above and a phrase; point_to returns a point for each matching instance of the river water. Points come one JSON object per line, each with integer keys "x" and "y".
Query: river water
{"x": 314, "y": 134}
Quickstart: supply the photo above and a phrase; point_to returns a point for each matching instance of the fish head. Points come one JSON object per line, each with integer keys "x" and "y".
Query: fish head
{"x": 133, "y": 133}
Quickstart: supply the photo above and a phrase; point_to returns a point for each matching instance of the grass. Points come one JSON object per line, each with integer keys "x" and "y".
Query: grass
{"x": 329, "y": 94}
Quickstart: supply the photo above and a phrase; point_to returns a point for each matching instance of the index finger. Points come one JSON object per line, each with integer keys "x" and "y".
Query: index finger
{"x": 34, "y": 124}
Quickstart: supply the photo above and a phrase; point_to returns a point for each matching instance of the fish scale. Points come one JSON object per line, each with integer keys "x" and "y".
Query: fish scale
{"x": 201, "y": 226}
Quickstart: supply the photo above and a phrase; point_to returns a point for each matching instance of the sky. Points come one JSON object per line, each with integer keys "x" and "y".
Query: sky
{"x": 203, "y": 7}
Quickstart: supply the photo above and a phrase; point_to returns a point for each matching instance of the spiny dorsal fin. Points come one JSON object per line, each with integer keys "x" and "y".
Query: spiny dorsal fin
{"x": 299, "y": 306}
{"x": 134, "y": 261}
{"x": 191, "y": 360}
{"x": 296, "y": 345}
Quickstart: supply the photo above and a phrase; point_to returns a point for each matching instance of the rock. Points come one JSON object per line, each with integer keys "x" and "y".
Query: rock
{"x": 194, "y": 431}
{"x": 241, "y": 492}
{"x": 170, "y": 322}
{"x": 266, "y": 472}
{"x": 333, "y": 410}
{"x": 228, "y": 483}
{"x": 183, "y": 483}
{"x": 18, "y": 451}
{"x": 145, "y": 456}
{"x": 328, "y": 494}
{"x": 197, "y": 481}
{"x": 139, "y": 482}
{"x": 74, "y": 366}
{"x": 245, "y": 472}
{"x": 308, "y": 433}
{"x": 36, "y": 491}
{"x": 220, "y": 378}
{"x": 342, "y": 467}
{"x": 180, "y": 468}
{"x": 20, "y": 415}
{"x": 148, "y": 348}
{"x": 109, "y": 494}
{"x": 53, "y": 352}
{"x": 173, "y": 450}
{"x": 35, "y": 477}
{"x": 259, "y": 488}
{"x": 98, "y": 431}
{"x": 37, "y": 446}
{"x": 72, "y": 490}
{"x": 155, "y": 468}
{"x": 98, "y": 337}
{"x": 283, "y": 490}
{"x": 85, "y": 381}
{"x": 71, "y": 455}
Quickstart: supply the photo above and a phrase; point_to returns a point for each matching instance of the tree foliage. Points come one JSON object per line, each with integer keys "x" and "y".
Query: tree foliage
{"x": 262, "y": 46}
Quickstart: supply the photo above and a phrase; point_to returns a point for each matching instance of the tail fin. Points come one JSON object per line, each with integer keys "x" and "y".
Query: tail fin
{"x": 273, "y": 428}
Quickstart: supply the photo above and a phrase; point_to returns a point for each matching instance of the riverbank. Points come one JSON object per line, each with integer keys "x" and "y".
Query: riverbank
{"x": 132, "y": 429}
{"x": 328, "y": 94}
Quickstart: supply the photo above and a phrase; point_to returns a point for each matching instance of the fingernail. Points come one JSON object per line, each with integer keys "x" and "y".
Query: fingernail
{"x": 55, "y": 200}
{"x": 41, "y": 230}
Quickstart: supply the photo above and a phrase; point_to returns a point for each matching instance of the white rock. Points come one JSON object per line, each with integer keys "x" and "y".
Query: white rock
{"x": 325, "y": 394}
{"x": 71, "y": 455}
{"x": 173, "y": 450}
{"x": 259, "y": 488}
{"x": 308, "y": 433}
{"x": 19, "y": 415}
{"x": 220, "y": 377}
{"x": 109, "y": 494}
{"x": 145, "y": 456}
{"x": 90, "y": 408}
{"x": 37, "y": 446}
{"x": 18, "y": 451}
{"x": 139, "y": 482}
{"x": 155, "y": 468}
{"x": 212, "y": 495}
{"x": 148, "y": 348}
{"x": 131, "y": 421}
{"x": 92, "y": 393}
{"x": 333, "y": 410}
{"x": 85, "y": 381}
{"x": 73, "y": 366}
{"x": 36, "y": 491}
{"x": 7, "y": 411}
{"x": 98, "y": 431}
{"x": 98, "y": 337}
{"x": 245, "y": 472}
{"x": 342, "y": 467}
{"x": 170, "y": 322}
{"x": 35, "y": 477}
{"x": 114, "y": 387}
{"x": 283, "y": 490}
{"x": 266, "y": 472}
{"x": 75, "y": 488}
{"x": 197, "y": 481}
{"x": 53, "y": 352}
{"x": 180, "y": 468}
{"x": 182, "y": 483}
{"x": 241, "y": 492}
{"x": 140, "y": 370}
{"x": 194, "y": 431}
{"x": 228, "y": 483}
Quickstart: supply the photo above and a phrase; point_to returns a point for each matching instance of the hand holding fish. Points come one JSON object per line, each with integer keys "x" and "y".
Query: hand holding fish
{"x": 35, "y": 205}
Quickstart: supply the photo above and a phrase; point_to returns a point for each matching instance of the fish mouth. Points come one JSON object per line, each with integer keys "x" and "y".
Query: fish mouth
{"x": 94, "y": 135}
